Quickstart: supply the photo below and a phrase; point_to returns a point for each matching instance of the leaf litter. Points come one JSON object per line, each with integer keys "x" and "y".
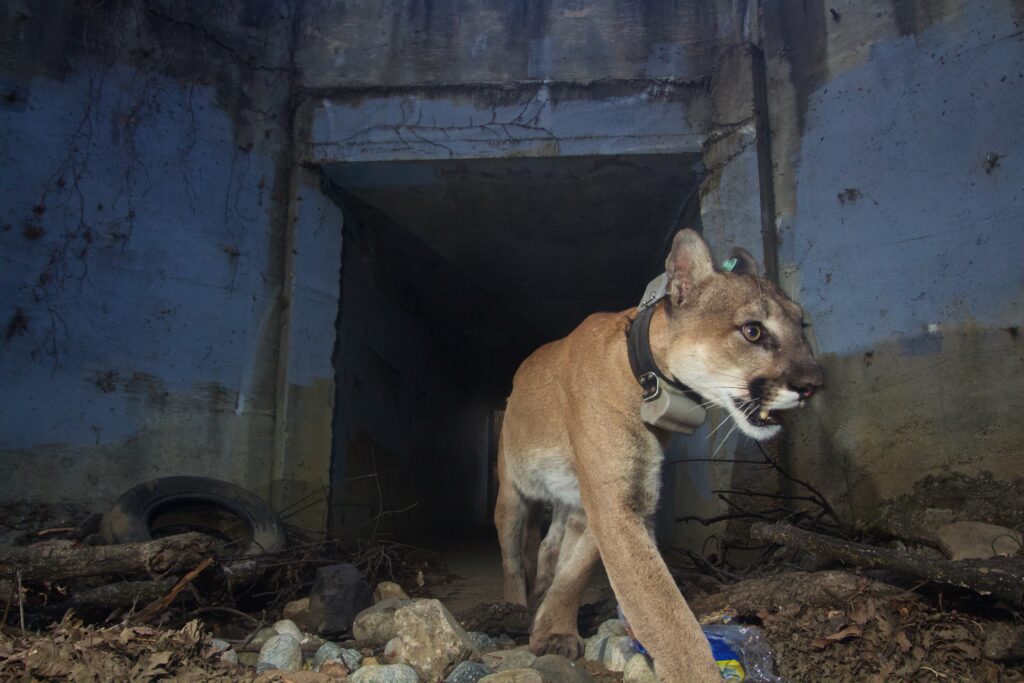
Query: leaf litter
{"x": 71, "y": 650}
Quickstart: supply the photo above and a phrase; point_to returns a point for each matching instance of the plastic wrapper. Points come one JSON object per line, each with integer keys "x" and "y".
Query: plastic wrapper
{"x": 741, "y": 652}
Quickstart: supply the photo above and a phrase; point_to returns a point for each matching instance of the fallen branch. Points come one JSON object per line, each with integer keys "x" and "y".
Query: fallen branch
{"x": 1001, "y": 577}
{"x": 109, "y": 597}
{"x": 56, "y": 560}
{"x": 157, "y": 606}
{"x": 830, "y": 589}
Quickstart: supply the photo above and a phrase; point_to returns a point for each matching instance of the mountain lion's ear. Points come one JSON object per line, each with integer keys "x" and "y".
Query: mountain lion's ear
{"x": 742, "y": 262}
{"x": 687, "y": 265}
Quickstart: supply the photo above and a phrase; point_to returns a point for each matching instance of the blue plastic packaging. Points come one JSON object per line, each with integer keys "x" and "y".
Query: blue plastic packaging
{"x": 741, "y": 652}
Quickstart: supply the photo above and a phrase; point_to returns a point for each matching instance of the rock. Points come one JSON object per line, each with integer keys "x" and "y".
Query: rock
{"x": 388, "y": 590}
{"x": 298, "y": 612}
{"x": 617, "y": 651}
{"x": 558, "y": 669}
{"x": 516, "y": 658}
{"x": 482, "y": 641}
{"x": 311, "y": 642}
{"x": 325, "y": 652}
{"x": 593, "y": 651}
{"x": 1003, "y": 642}
{"x": 287, "y": 626}
{"x": 219, "y": 645}
{"x": 639, "y": 670}
{"x": 393, "y": 651}
{"x": 353, "y": 658}
{"x": 977, "y": 540}
{"x": 467, "y": 672}
{"x": 248, "y": 658}
{"x": 376, "y": 625}
{"x": 229, "y": 657}
{"x": 334, "y": 668}
{"x": 262, "y": 636}
{"x": 385, "y": 673}
{"x": 280, "y": 652}
{"x": 429, "y": 640}
{"x": 612, "y": 627}
{"x": 515, "y": 676}
{"x": 503, "y": 641}
{"x": 339, "y": 593}
{"x": 369, "y": 661}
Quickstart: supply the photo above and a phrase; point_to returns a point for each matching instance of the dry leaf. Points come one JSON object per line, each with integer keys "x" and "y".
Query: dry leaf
{"x": 904, "y": 642}
{"x": 970, "y": 651}
{"x": 44, "y": 659}
{"x": 851, "y": 631}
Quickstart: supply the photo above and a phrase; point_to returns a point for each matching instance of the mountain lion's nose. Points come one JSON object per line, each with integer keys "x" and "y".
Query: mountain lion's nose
{"x": 805, "y": 391}
{"x": 809, "y": 381}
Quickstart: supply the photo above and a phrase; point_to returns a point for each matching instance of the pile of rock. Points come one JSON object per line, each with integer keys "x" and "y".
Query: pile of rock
{"x": 614, "y": 649}
{"x": 402, "y": 640}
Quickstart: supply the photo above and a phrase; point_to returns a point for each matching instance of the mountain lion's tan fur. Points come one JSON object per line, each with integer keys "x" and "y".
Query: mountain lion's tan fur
{"x": 572, "y": 437}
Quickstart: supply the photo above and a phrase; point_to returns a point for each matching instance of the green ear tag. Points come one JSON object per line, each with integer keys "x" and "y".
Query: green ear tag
{"x": 727, "y": 266}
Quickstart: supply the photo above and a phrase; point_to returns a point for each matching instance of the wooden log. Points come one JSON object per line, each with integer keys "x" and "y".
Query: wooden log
{"x": 830, "y": 589}
{"x": 56, "y": 560}
{"x": 1001, "y": 577}
{"x": 118, "y": 594}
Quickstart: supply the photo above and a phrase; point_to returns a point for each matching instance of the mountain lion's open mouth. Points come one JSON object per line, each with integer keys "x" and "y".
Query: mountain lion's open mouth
{"x": 762, "y": 417}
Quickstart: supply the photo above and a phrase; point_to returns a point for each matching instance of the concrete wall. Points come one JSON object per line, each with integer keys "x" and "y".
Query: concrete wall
{"x": 145, "y": 179}
{"x": 410, "y": 443}
{"x": 897, "y": 136}
{"x": 398, "y": 43}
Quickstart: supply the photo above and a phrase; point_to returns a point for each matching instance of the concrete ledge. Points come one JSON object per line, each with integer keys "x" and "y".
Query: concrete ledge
{"x": 534, "y": 119}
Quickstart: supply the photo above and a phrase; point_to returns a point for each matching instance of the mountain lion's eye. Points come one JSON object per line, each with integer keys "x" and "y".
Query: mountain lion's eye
{"x": 752, "y": 332}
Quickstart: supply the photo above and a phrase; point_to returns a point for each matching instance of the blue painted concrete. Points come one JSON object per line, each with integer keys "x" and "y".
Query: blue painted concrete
{"x": 155, "y": 261}
{"x": 900, "y": 221}
{"x": 316, "y": 282}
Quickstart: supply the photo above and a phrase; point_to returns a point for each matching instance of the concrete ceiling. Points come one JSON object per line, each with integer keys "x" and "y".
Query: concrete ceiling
{"x": 498, "y": 256}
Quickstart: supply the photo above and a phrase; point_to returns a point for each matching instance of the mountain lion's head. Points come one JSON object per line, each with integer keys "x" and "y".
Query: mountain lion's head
{"x": 735, "y": 338}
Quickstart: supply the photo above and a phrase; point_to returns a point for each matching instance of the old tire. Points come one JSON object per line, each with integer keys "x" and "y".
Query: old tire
{"x": 160, "y": 507}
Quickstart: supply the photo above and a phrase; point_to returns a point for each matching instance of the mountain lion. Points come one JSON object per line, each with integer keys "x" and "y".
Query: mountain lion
{"x": 573, "y": 437}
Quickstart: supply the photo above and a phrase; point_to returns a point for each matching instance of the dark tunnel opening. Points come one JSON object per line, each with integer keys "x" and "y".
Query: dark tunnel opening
{"x": 453, "y": 272}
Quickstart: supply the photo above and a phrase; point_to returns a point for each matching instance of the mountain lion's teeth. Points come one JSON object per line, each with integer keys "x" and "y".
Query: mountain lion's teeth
{"x": 763, "y": 414}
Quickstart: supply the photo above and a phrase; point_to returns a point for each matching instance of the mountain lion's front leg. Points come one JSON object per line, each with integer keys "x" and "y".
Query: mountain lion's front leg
{"x": 554, "y": 627}
{"x": 652, "y": 603}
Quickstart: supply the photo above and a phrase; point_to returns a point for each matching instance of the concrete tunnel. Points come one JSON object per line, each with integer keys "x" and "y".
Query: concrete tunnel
{"x": 454, "y": 271}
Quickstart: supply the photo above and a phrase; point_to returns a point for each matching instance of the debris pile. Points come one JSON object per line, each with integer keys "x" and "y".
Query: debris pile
{"x": 941, "y": 602}
{"x": 840, "y": 626}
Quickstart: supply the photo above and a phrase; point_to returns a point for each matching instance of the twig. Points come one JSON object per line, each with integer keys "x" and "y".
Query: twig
{"x": 249, "y": 638}
{"x": 821, "y": 500}
{"x": 225, "y": 610}
{"x": 387, "y": 512}
{"x": 56, "y": 530}
{"x": 708, "y": 521}
{"x": 154, "y": 608}
{"x": 7, "y": 607}
{"x": 764, "y": 494}
{"x": 21, "y": 599}
{"x": 722, "y": 574}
